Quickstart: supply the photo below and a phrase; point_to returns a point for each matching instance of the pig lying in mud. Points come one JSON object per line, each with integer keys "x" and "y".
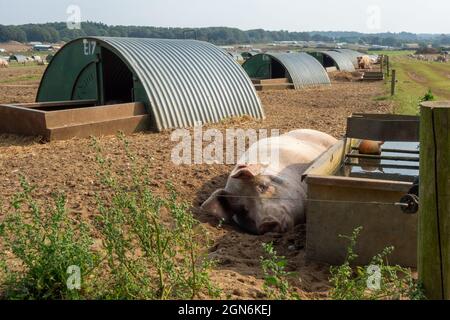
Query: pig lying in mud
{"x": 270, "y": 197}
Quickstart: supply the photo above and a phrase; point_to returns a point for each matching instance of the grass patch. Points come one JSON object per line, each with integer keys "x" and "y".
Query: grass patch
{"x": 22, "y": 65}
{"x": 392, "y": 53}
{"x": 382, "y": 98}
{"x": 22, "y": 78}
{"x": 414, "y": 79}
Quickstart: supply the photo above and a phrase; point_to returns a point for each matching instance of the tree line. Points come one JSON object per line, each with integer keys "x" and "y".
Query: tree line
{"x": 58, "y": 31}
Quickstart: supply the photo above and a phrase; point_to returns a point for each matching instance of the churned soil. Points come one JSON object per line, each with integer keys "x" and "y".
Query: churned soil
{"x": 14, "y": 46}
{"x": 69, "y": 166}
{"x": 19, "y": 84}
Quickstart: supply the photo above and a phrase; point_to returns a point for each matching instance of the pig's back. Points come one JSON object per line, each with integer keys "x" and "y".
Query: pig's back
{"x": 288, "y": 150}
{"x": 313, "y": 137}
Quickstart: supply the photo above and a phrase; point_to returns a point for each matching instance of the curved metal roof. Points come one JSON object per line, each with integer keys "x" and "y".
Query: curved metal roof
{"x": 350, "y": 54}
{"x": 303, "y": 69}
{"x": 182, "y": 81}
{"x": 343, "y": 63}
{"x": 188, "y": 80}
{"x": 18, "y": 57}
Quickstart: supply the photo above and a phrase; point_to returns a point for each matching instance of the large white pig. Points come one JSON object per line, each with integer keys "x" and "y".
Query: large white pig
{"x": 270, "y": 197}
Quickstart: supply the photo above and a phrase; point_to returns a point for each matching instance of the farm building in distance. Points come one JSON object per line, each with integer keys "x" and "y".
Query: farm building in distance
{"x": 129, "y": 84}
{"x": 42, "y": 47}
{"x": 334, "y": 59}
{"x": 296, "y": 70}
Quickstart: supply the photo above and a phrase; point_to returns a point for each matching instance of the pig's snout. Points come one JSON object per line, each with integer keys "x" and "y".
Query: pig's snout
{"x": 270, "y": 225}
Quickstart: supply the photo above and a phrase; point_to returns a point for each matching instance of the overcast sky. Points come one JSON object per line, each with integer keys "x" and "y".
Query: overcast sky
{"x": 424, "y": 16}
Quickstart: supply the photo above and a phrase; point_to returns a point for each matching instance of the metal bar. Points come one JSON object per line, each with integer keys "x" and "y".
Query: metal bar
{"x": 396, "y": 151}
{"x": 385, "y": 166}
{"x": 393, "y": 158}
{"x": 384, "y": 116}
{"x": 383, "y": 129}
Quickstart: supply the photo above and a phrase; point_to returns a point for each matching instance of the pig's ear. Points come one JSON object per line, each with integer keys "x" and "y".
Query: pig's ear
{"x": 246, "y": 171}
{"x": 217, "y": 205}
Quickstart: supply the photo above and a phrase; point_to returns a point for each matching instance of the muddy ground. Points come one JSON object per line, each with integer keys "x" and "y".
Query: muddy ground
{"x": 69, "y": 166}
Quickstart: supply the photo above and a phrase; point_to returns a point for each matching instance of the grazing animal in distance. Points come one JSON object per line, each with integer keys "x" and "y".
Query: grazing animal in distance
{"x": 364, "y": 62}
{"x": 270, "y": 197}
{"x": 3, "y": 63}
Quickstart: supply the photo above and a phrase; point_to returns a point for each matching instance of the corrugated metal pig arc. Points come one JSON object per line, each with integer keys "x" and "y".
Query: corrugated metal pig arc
{"x": 188, "y": 81}
{"x": 304, "y": 69}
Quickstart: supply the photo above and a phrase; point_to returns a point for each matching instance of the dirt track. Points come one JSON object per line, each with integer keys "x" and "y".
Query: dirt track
{"x": 69, "y": 166}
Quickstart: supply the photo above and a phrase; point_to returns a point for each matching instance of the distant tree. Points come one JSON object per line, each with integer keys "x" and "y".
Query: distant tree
{"x": 53, "y": 34}
{"x": 37, "y": 33}
{"x": 12, "y": 33}
{"x": 391, "y": 42}
{"x": 57, "y": 31}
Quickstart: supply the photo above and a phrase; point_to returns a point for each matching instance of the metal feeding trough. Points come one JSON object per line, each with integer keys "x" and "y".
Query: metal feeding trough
{"x": 347, "y": 190}
{"x": 65, "y": 120}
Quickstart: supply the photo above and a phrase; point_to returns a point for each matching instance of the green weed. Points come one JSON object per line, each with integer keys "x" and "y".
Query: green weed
{"x": 43, "y": 244}
{"x": 152, "y": 247}
{"x": 360, "y": 283}
{"x": 155, "y": 248}
{"x": 429, "y": 96}
{"x": 276, "y": 284}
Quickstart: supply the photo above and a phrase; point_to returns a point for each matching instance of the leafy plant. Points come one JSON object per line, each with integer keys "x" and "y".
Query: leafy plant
{"x": 155, "y": 248}
{"x": 39, "y": 246}
{"x": 276, "y": 284}
{"x": 351, "y": 283}
{"x": 429, "y": 96}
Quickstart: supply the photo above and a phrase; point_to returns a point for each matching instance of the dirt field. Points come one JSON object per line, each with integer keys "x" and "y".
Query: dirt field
{"x": 69, "y": 166}
{"x": 19, "y": 84}
{"x": 14, "y": 46}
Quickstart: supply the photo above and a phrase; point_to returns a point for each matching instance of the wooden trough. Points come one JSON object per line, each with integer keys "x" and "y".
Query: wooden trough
{"x": 69, "y": 119}
{"x": 347, "y": 190}
{"x": 373, "y": 76}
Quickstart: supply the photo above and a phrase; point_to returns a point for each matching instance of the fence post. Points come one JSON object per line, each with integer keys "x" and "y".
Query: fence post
{"x": 434, "y": 213}
{"x": 382, "y": 63}
{"x": 393, "y": 82}
{"x": 388, "y": 65}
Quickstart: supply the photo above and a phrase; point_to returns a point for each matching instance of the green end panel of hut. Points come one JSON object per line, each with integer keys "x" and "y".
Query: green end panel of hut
{"x": 85, "y": 70}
